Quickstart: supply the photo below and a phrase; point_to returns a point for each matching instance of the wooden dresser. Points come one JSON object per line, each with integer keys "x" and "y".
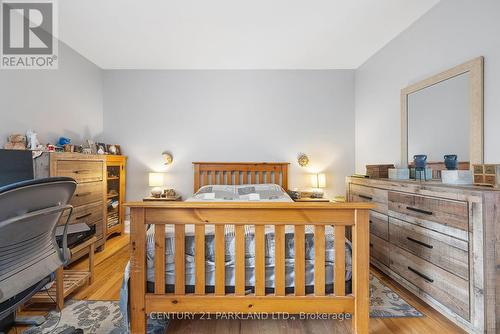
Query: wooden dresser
{"x": 439, "y": 242}
{"x": 90, "y": 195}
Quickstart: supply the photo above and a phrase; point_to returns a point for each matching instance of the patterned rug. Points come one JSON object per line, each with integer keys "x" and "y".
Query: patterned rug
{"x": 104, "y": 317}
{"x": 386, "y": 303}
{"x": 94, "y": 317}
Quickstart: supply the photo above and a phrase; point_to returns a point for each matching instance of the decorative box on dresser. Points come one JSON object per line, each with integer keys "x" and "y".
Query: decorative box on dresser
{"x": 89, "y": 199}
{"x": 115, "y": 193}
{"x": 439, "y": 241}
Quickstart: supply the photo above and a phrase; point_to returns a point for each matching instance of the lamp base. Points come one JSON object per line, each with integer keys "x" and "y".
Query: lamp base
{"x": 317, "y": 194}
{"x": 156, "y": 192}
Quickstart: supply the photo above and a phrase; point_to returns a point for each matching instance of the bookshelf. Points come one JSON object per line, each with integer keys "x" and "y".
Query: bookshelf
{"x": 116, "y": 176}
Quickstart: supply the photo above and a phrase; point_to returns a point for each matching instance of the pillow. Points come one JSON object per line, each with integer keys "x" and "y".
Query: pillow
{"x": 245, "y": 190}
{"x": 269, "y": 191}
{"x": 219, "y": 191}
{"x": 253, "y": 192}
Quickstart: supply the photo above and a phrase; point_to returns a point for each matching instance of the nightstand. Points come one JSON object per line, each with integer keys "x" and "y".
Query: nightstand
{"x": 162, "y": 199}
{"x": 310, "y": 199}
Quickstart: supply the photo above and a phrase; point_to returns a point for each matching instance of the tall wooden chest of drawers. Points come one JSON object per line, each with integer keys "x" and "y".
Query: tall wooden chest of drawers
{"x": 441, "y": 242}
{"x": 89, "y": 199}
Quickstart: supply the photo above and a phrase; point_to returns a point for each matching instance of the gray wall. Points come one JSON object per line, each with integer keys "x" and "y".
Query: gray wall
{"x": 451, "y": 33}
{"x": 67, "y": 101}
{"x": 231, "y": 116}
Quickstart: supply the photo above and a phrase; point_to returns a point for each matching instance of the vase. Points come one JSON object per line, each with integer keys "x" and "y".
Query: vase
{"x": 451, "y": 161}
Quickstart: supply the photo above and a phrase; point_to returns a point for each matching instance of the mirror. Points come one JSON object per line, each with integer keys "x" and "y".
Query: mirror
{"x": 438, "y": 120}
{"x": 444, "y": 115}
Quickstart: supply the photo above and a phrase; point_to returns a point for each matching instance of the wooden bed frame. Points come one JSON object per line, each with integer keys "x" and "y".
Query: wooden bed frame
{"x": 240, "y": 173}
{"x": 338, "y": 215}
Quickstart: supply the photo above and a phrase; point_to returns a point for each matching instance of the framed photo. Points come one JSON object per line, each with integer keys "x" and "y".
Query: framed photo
{"x": 113, "y": 149}
{"x": 101, "y": 148}
{"x": 90, "y": 147}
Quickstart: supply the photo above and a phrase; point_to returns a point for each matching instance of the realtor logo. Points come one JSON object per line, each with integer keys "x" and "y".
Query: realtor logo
{"x": 28, "y": 35}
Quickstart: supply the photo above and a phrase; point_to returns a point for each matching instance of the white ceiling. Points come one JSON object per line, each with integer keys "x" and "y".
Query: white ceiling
{"x": 234, "y": 34}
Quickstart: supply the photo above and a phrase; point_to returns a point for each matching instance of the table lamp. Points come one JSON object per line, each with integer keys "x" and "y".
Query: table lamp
{"x": 318, "y": 181}
{"x": 156, "y": 180}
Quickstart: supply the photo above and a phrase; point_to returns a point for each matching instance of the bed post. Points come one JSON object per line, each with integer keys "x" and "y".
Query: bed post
{"x": 361, "y": 272}
{"x": 137, "y": 271}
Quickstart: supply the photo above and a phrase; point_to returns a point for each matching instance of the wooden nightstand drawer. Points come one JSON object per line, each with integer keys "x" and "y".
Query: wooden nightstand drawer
{"x": 81, "y": 171}
{"x": 448, "y": 289}
{"x": 444, "y": 251}
{"x": 448, "y": 213}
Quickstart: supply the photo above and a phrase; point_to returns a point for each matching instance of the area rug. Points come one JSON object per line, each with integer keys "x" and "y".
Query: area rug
{"x": 386, "y": 303}
{"x": 94, "y": 317}
{"x": 104, "y": 317}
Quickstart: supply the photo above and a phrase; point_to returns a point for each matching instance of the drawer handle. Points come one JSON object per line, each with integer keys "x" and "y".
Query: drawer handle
{"x": 419, "y": 210}
{"x": 366, "y": 197}
{"x": 83, "y": 194}
{"x": 420, "y": 243}
{"x": 84, "y": 216}
{"x": 82, "y": 171}
{"x": 425, "y": 277}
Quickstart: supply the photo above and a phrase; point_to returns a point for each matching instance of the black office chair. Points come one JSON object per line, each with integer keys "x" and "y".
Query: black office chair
{"x": 29, "y": 254}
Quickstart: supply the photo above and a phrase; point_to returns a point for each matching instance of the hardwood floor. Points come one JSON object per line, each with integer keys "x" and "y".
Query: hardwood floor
{"x": 108, "y": 277}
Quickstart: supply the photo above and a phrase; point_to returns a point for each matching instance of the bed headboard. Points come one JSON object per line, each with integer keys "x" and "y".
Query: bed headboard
{"x": 207, "y": 173}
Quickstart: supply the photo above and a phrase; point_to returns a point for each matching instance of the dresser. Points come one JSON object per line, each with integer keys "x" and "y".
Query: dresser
{"x": 438, "y": 241}
{"x": 89, "y": 198}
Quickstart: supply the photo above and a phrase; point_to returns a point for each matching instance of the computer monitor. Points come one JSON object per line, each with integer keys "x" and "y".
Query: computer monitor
{"x": 15, "y": 166}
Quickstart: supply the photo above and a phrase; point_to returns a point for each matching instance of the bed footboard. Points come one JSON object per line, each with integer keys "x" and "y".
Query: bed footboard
{"x": 338, "y": 215}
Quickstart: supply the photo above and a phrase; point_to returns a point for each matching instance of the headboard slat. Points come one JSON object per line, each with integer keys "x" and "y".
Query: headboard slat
{"x": 205, "y": 173}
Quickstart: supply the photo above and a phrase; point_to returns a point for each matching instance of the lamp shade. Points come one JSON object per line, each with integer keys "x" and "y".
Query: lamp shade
{"x": 321, "y": 180}
{"x": 318, "y": 180}
{"x": 156, "y": 179}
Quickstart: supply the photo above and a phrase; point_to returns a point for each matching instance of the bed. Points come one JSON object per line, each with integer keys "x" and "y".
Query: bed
{"x": 245, "y": 247}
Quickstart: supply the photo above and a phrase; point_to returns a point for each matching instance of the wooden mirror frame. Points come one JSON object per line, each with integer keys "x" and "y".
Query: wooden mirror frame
{"x": 475, "y": 68}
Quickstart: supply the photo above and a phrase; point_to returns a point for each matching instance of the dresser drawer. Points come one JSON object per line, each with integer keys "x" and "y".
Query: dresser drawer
{"x": 445, "y": 212}
{"x": 379, "y": 249}
{"x": 379, "y": 225}
{"x": 87, "y": 193}
{"x": 80, "y": 170}
{"x": 369, "y": 194}
{"x": 88, "y": 213}
{"x": 444, "y": 251}
{"x": 448, "y": 289}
